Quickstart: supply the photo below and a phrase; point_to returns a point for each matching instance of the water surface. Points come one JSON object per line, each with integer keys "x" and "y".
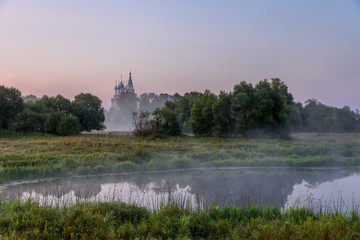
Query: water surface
{"x": 321, "y": 189}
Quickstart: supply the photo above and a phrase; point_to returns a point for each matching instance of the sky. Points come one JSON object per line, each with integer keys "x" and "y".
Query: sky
{"x": 68, "y": 47}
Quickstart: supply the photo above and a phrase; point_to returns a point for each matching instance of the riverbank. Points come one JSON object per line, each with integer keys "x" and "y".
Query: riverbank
{"x": 40, "y": 155}
{"x": 28, "y": 220}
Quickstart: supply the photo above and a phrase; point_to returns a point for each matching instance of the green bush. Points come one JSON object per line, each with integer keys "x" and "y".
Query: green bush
{"x": 29, "y": 121}
{"x": 68, "y": 125}
{"x": 53, "y": 121}
{"x": 166, "y": 122}
{"x": 11, "y": 104}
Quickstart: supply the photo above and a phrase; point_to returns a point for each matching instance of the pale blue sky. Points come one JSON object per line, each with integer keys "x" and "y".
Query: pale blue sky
{"x": 68, "y": 47}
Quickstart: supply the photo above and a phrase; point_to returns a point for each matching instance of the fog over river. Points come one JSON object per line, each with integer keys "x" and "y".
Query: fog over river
{"x": 321, "y": 189}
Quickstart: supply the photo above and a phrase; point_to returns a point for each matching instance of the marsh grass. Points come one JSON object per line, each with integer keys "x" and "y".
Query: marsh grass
{"x": 331, "y": 205}
{"x": 42, "y": 155}
{"x": 116, "y": 220}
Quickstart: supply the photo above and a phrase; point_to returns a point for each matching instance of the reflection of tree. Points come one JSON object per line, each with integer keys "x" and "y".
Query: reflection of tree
{"x": 236, "y": 186}
{"x": 56, "y": 188}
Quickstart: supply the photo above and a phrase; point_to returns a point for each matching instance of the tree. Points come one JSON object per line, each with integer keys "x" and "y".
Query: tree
{"x": 88, "y": 109}
{"x": 38, "y": 107}
{"x": 51, "y": 104}
{"x": 295, "y": 117}
{"x": 243, "y": 103}
{"x": 29, "y": 121}
{"x": 30, "y": 98}
{"x": 346, "y": 120}
{"x": 144, "y": 102}
{"x": 223, "y": 115}
{"x": 171, "y": 105}
{"x": 158, "y": 123}
{"x": 68, "y": 125}
{"x": 53, "y": 121}
{"x": 282, "y": 89}
{"x": 318, "y": 117}
{"x": 183, "y": 109}
{"x": 264, "y": 108}
{"x": 159, "y": 101}
{"x": 61, "y": 104}
{"x": 143, "y": 126}
{"x": 11, "y": 104}
{"x": 270, "y": 112}
{"x": 201, "y": 119}
{"x": 166, "y": 122}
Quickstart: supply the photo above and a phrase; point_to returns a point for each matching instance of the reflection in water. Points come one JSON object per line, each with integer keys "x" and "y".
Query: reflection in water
{"x": 197, "y": 188}
{"x": 149, "y": 196}
{"x": 339, "y": 195}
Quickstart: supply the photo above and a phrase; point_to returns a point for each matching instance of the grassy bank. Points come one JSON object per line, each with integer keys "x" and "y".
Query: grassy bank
{"x": 19, "y": 220}
{"x": 42, "y": 155}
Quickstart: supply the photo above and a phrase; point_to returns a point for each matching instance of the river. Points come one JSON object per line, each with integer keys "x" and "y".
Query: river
{"x": 320, "y": 189}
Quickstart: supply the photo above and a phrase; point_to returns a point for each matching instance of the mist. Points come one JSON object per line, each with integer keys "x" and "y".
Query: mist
{"x": 119, "y": 116}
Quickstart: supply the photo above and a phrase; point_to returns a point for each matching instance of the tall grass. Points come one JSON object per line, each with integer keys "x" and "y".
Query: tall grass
{"x": 115, "y": 220}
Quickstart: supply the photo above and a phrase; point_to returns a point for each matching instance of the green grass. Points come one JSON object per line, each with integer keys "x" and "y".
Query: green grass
{"x": 42, "y": 155}
{"x": 28, "y": 220}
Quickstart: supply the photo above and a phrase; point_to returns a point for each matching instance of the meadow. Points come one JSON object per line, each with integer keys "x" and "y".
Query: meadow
{"x": 42, "y": 155}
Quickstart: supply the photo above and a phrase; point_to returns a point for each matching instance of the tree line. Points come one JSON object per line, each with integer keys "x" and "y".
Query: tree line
{"x": 267, "y": 108}
{"x": 56, "y": 115}
{"x": 317, "y": 117}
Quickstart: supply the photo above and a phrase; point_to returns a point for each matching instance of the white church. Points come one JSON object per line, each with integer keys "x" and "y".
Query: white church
{"x": 121, "y": 90}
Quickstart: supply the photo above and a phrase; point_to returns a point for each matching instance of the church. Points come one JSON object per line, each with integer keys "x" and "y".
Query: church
{"x": 122, "y": 93}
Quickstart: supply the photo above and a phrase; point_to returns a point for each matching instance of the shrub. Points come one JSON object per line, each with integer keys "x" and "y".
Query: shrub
{"x": 53, "y": 121}
{"x": 143, "y": 125}
{"x": 68, "y": 125}
{"x": 29, "y": 121}
{"x": 166, "y": 122}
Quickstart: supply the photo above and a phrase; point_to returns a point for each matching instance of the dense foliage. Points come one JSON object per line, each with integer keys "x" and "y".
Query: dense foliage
{"x": 11, "y": 104}
{"x": 318, "y": 117}
{"x": 27, "y": 220}
{"x": 68, "y": 125}
{"x": 87, "y": 108}
{"x": 263, "y": 109}
{"x": 266, "y": 109}
{"x": 160, "y": 122}
{"x": 55, "y": 115}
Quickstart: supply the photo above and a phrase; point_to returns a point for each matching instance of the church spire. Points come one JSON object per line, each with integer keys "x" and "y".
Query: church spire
{"x": 130, "y": 83}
